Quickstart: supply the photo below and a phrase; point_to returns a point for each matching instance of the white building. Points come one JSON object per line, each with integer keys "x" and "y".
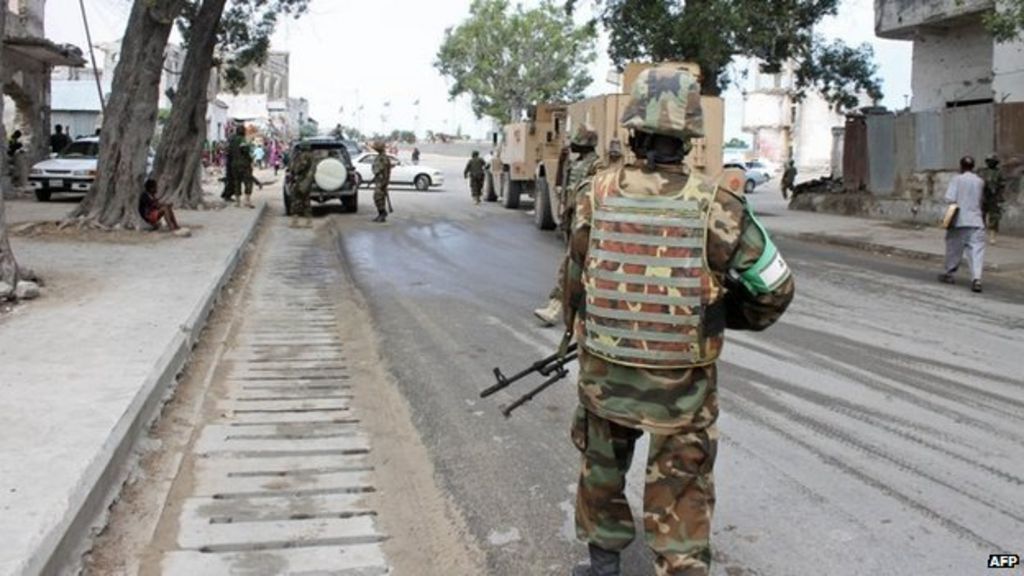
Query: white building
{"x": 75, "y": 105}
{"x": 956, "y": 61}
{"x": 783, "y": 127}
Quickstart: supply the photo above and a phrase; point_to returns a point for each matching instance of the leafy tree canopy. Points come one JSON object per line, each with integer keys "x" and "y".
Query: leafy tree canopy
{"x": 244, "y": 35}
{"x": 507, "y": 59}
{"x": 1007, "y": 22}
{"x": 713, "y": 32}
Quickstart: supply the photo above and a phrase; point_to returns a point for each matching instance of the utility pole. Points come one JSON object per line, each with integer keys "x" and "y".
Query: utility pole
{"x": 92, "y": 56}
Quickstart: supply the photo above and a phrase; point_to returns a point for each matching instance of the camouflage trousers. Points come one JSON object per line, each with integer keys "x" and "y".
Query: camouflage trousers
{"x": 300, "y": 202}
{"x": 476, "y": 185}
{"x": 558, "y": 290}
{"x": 380, "y": 199}
{"x": 679, "y": 493}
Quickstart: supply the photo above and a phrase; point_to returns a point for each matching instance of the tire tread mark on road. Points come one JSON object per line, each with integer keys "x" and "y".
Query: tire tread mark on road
{"x": 767, "y": 402}
{"x": 740, "y": 409}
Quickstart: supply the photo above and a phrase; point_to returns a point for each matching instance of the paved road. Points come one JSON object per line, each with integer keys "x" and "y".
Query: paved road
{"x": 876, "y": 430}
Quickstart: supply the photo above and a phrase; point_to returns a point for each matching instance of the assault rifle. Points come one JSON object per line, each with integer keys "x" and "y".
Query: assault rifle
{"x": 553, "y": 367}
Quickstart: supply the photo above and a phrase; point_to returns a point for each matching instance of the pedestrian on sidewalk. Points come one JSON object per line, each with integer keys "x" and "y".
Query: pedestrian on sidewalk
{"x": 153, "y": 211}
{"x": 475, "y": 173}
{"x": 995, "y": 186}
{"x": 415, "y": 155}
{"x": 967, "y": 233}
{"x": 788, "y": 179}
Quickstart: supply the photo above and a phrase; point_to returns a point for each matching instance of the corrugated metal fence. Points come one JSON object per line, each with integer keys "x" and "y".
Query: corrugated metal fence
{"x": 897, "y": 146}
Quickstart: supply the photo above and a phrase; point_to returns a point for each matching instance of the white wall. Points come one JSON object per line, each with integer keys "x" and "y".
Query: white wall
{"x": 951, "y": 66}
{"x": 216, "y": 121}
{"x": 812, "y": 138}
{"x": 1008, "y": 69}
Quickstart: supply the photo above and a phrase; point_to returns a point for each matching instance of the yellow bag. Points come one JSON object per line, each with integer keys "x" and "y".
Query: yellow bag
{"x": 949, "y": 218}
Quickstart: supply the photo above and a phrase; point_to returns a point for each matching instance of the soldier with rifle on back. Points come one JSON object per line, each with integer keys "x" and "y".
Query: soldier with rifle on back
{"x": 381, "y": 179}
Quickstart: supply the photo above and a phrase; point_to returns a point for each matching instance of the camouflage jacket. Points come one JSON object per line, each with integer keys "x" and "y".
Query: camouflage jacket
{"x": 668, "y": 401}
{"x": 239, "y": 159}
{"x": 995, "y": 186}
{"x": 581, "y": 169}
{"x": 475, "y": 168}
{"x": 381, "y": 170}
{"x": 302, "y": 170}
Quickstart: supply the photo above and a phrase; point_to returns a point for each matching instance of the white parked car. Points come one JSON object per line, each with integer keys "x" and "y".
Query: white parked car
{"x": 73, "y": 170}
{"x": 418, "y": 175}
{"x": 753, "y": 177}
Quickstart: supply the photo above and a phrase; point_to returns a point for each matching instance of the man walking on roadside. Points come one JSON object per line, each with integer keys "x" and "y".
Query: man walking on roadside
{"x": 237, "y": 160}
{"x": 661, "y": 261}
{"x": 300, "y": 173}
{"x": 967, "y": 233}
{"x": 475, "y": 172}
{"x": 381, "y": 179}
{"x": 995, "y": 185}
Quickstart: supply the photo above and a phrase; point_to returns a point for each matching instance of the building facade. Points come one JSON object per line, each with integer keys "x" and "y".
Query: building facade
{"x": 784, "y": 127}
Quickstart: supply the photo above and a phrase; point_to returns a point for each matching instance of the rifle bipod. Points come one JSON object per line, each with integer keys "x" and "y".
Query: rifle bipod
{"x": 553, "y": 367}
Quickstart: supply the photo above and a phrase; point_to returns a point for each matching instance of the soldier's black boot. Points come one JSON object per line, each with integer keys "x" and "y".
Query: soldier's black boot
{"x": 602, "y": 563}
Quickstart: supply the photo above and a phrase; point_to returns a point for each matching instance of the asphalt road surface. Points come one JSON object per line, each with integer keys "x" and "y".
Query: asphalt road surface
{"x": 877, "y": 429}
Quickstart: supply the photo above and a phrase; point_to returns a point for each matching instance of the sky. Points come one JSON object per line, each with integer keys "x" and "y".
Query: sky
{"x": 347, "y": 55}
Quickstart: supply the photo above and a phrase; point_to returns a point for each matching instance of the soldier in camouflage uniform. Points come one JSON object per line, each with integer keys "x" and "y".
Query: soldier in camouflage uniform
{"x": 475, "y": 172}
{"x": 661, "y": 261}
{"x": 993, "y": 198}
{"x": 301, "y": 172}
{"x": 587, "y": 163}
{"x": 238, "y": 158}
{"x": 381, "y": 179}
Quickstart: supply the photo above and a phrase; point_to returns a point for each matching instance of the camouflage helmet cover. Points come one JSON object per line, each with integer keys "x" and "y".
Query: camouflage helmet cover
{"x": 992, "y": 158}
{"x": 665, "y": 100}
{"x": 585, "y": 137}
{"x": 378, "y": 146}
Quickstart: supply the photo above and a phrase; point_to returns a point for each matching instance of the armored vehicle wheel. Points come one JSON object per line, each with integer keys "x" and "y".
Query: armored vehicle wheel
{"x": 543, "y": 214}
{"x": 512, "y": 192}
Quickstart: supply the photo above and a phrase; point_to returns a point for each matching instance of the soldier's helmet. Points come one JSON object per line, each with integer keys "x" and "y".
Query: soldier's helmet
{"x": 992, "y": 159}
{"x": 378, "y": 146}
{"x": 615, "y": 149}
{"x": 665, "y": 100}
{"x": 584, "y": 137}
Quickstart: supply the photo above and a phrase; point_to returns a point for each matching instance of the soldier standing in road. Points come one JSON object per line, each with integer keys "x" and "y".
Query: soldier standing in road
{"x": 583, "y": 144}
{"x": 301, "y": 172}
{"x": 995, "y": 186}
{"x": 381, "y": 179}
{"x": 237, "y": 158}
{"x": 788, "y": 179}
{"x": 475, "y": 172}
{"x": 661, "y": 261}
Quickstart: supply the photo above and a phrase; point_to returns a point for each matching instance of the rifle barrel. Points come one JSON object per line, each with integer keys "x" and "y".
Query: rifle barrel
{"x": 561, "y": 373}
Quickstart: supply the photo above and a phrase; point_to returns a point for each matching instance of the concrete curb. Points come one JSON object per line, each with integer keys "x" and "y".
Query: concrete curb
{"x": 878, "y": 248}
{"x": 61, "y": 549}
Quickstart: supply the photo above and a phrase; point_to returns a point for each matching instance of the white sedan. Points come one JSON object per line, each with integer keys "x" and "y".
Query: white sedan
{"x": 418, "y": 175}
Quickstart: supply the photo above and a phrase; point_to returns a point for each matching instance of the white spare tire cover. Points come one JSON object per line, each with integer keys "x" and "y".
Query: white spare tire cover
{"x": 330, "y": 174}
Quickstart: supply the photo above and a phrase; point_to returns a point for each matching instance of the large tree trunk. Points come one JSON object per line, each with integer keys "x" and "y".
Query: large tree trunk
{"x": 130, "y": 117}
{"x": 179, "y": 156}
{"x": 8, "y": 265}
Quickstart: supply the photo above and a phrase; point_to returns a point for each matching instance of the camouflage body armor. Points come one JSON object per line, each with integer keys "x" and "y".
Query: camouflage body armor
{"x": 649, "y": 293}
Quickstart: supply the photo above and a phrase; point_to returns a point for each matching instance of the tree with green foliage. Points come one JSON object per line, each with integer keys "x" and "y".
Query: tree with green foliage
{"x": 714, "y": 32}
{"x": 1006, "y": 22}
{"x": 507, "y": 59}
{"x": 129, "y": 119}
{"x": 219, "y": 36}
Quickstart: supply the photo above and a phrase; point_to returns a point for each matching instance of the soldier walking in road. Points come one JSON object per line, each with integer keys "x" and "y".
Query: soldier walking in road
{"x": 788, "y": 179}
{"x": 583, "y": 144}
{"x": 301, "y": 172}
{"x": 381, "y": 179}
{"x": 475, "y": 172}
{"x": 660, "y": 263}
{"x": 966, "y": 191}
{"x": 995, "y": 186}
